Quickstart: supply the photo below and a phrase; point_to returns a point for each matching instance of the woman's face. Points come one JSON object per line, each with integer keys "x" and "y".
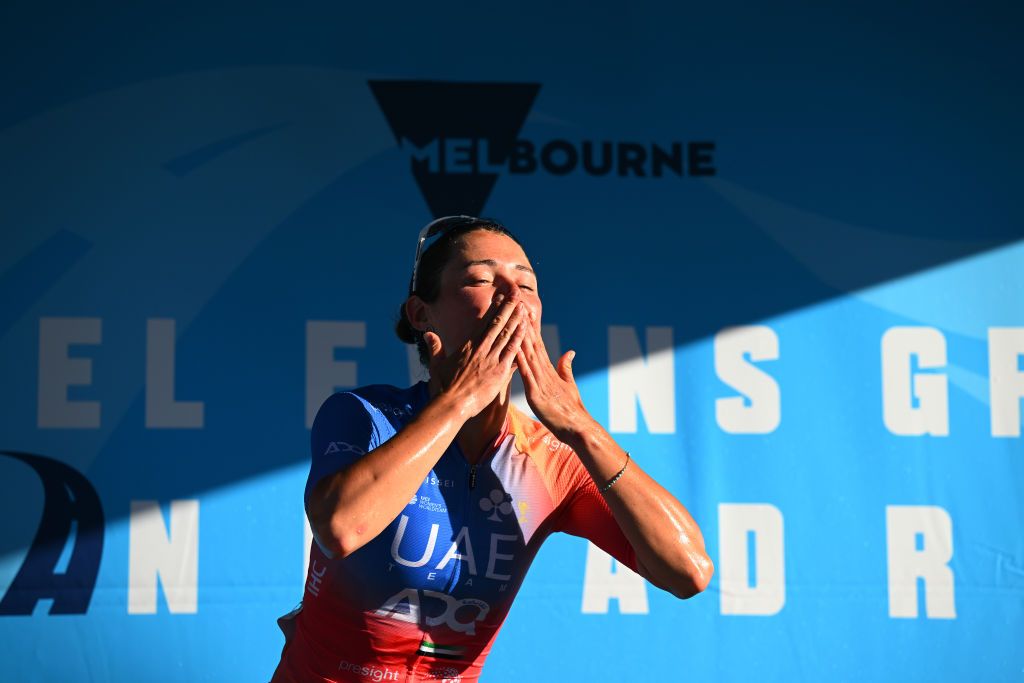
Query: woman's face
{"x": 486, "y": 265}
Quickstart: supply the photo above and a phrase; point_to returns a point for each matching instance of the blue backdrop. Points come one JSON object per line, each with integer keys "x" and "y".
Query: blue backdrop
{"x": 786, "y": 243}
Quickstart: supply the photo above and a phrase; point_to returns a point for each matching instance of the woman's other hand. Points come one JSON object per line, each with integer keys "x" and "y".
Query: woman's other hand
{"x": 551, "y": 392}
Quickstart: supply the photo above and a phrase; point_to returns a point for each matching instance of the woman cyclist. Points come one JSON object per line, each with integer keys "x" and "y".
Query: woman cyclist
{"x": 428, "y": 503}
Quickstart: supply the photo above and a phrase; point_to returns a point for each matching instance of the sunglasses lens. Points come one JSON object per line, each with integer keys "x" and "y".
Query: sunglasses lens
{"x": 444, "y": 225}
{"x": 429, "y": 235}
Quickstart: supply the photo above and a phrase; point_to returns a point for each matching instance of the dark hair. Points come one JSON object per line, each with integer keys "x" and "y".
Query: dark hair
{"x": 432, "y": 263}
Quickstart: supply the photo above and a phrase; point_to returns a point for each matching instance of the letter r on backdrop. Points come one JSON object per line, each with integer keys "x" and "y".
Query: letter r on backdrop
{"x": 919, "y": 541}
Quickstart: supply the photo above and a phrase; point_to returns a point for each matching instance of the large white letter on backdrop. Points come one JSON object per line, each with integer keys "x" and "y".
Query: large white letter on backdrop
{"x": 764, "y": 411}
{"x": 162, "y": 410}
{"x": 904, "y": 526}
{"x": 324, "y": 375}
{"x": 739, "y": 526}
{"x": 901, "y": 387}
{"x": 604, "y": 579}
{"x": 634, "y": 377}
{"x": 1006, "y": 379}
{"x": 58, "y": 371}
{"x": 172, "y": 558}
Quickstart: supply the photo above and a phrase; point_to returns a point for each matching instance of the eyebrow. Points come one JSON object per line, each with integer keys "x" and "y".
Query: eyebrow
{"x": 491, "y": 262}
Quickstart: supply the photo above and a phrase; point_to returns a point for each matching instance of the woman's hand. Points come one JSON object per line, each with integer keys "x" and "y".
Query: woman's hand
{"x": 482, "y": 368}
{"x": 669, "y": 546}
{"x": 551, "y": 392}
{"x": 352, "y": 506}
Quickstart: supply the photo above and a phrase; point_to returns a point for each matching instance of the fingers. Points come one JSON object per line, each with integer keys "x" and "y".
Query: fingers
{"x": 533, "y": 345}
{"x": 512, "y": 348}
{"x": 565, "y": 366}
{"x": 435, "y": 349}
{"x": 433, "y": 344}
{"x": 532, "y": 356}
{"x": 509, "y": 339}
{"x": 534, "y": 362}
{"x": 503, "y": 325}
{"x": 525, "y": 369}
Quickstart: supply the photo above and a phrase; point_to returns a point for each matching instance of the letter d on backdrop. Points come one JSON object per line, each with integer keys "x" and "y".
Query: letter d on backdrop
{"x": 763, "y": 594}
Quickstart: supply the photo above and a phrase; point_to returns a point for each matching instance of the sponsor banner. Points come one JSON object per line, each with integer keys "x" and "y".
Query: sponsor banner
{"x": 791, "y": 266}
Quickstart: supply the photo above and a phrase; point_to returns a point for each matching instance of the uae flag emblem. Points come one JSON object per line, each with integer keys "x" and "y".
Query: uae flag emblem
{"x": 444, "y": 651}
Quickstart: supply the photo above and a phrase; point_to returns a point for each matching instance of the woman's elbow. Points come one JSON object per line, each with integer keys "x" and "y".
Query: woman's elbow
{"x": 696, "y": 579}
{"x": 346, "y": 537}
{"x": 332, "y": 537}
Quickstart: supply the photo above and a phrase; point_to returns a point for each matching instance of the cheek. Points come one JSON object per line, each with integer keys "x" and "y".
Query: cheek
{"x": 536, "y": 308}
{"x": 468, "y": 308}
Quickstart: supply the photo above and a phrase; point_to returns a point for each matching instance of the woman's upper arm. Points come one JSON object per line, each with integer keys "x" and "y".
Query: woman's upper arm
{"x": 586, "y": 514}
{"x": 343, "y": 431}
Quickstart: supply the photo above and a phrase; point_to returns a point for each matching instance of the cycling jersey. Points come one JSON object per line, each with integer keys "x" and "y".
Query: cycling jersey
{"x": 426, "y": 597}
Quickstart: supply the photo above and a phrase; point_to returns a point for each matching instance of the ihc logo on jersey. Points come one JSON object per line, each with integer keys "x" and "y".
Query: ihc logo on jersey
{"x": 498, "y": 502}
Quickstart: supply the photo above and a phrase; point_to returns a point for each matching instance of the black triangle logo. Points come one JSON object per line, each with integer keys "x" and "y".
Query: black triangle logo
{"x": 484, "y": 117}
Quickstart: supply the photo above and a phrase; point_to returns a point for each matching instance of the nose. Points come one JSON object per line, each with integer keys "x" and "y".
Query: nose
{"x": 507, "y": 289}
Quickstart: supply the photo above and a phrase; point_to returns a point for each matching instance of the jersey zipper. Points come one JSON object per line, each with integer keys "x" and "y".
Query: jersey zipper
{"x": 472, "y": 476}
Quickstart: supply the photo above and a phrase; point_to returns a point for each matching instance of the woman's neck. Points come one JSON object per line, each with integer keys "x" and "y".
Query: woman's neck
{"x": 479, "y": 432}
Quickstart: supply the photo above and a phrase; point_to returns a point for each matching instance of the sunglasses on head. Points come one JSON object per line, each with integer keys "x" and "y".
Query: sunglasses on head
{"x": 433, "y": 230}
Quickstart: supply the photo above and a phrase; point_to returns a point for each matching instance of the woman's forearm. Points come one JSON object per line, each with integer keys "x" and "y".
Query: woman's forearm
{"x": 350, "y": 508}
{"x": 668, "y": 543}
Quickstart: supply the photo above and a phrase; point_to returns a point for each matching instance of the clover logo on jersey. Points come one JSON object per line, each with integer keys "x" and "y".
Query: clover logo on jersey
{"x": 498, "y": 502}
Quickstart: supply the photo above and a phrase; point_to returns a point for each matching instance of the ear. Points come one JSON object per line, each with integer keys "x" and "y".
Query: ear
{"x": 416, "y": 311}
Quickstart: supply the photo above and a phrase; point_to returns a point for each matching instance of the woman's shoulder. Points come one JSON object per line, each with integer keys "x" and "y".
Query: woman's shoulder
{"x": 371, "y": 409}
{"x": 387, "y": 399}
{"x": 534, "y": 439}
{"x": 556, "y": 462}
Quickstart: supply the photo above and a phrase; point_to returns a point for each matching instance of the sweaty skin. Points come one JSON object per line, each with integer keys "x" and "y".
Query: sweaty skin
{"x": 413, "y": 454}
{"x": 668, "y": 543}
{"x": 353, "y": 506}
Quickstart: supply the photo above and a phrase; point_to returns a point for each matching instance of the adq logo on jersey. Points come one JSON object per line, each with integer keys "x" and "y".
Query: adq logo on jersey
{"x": 462, "y": 136}
{"x": 72, "y": 519}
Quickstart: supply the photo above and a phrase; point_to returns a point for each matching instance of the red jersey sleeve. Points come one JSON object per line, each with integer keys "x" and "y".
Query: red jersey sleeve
{"x": 586, "y": 514}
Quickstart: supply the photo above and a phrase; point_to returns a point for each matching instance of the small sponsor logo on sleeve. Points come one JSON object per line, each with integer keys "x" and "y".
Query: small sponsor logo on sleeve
{"x": 343, "y": 447}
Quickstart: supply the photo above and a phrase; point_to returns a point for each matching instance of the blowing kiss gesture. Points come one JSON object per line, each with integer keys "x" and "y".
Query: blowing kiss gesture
{"x": 483, "y": 366}
{"x": 551, "y": 392}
